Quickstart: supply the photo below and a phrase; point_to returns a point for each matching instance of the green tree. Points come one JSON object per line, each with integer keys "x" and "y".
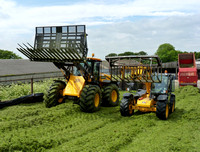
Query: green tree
{"x": 132, "y": 53}
{"x": 4, "y": 54}
{"x": 112, "y": 54}
{"x": 126, "y": 54}
{"x": 197, "y": 55}
{"x": 167, "y": 53}
{"x": 142, "y": 53}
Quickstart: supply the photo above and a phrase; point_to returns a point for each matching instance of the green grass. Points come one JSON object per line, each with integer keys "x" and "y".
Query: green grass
{"x": 32, "y": 127}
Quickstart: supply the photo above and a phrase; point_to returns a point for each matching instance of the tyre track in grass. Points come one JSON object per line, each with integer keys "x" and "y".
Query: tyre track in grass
{"x": 181, "y": 132}
{"x": 175, "y": 134}
{"x": 79, "y": 126}
{"x": 28, "y": 118}
{"x": 103, "y": 119}
{"x": 109, "y": 137}
{"x": 66, "y": 128}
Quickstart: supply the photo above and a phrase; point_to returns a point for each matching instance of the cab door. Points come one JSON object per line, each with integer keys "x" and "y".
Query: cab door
{"x": 96, "y": 72}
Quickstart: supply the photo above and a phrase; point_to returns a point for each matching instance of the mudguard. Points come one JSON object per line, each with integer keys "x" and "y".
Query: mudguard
{"x": 128, "y": 95}
{"x": 172, "y": 98}
{"x": 162, "y": 97}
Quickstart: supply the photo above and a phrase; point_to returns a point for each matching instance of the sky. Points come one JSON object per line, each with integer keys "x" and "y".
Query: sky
{"x": 113, "y": 26}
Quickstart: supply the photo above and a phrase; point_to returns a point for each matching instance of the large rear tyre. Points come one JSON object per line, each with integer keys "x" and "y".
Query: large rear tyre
{"x": 126, "y": 107}
{"x": 90, "y": 98}
{"x": 162, "y": 110}
{"x": 110, "y": 96}
{"x": 55, "y": 94}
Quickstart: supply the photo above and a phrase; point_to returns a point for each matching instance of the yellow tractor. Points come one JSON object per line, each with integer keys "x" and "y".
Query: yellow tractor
{"x": 66, "y": 47}
{"x": 157, "y": 95}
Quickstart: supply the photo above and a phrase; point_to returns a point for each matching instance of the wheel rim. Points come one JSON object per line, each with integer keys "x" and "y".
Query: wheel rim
{"x": 173, "y": 106}
{"x": 60, "y": 96}
{"x": 114, "y": 96}
{"x": 60, "y": 100}
{"x": 96, "y": 100}
{"x": 135, "y": 101}
{"x": 130, "y": 108}
{"x": 167, "y": 111}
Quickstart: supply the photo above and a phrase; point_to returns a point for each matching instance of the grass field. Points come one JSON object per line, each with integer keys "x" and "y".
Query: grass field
{"x": 32, "y": 127}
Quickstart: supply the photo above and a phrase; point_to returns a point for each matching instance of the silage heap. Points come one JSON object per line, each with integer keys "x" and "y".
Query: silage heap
{"x": 186, "y": 91}
{"x": 188, "y": 103}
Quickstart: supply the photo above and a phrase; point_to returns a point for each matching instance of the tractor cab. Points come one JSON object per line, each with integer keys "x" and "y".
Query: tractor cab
{"x": 165, "y": 86}
{"x": 95, "y": 68}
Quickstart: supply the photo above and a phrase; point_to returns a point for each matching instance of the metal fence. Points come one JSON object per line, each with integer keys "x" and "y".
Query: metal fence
{"x": 22, "y": 78}
{"x": 29, "y": 78}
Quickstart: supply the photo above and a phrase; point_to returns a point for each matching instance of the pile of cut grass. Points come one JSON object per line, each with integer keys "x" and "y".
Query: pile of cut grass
{"x": 32, "y": 127}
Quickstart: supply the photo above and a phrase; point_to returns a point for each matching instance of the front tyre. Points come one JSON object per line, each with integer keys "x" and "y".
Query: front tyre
{"x": 55, "y": 94}
{"x": 90, "y": 98}
{"x": 162, "y": 110}
{"x": 110, "y": 95}
{"x": 126, "y": 107}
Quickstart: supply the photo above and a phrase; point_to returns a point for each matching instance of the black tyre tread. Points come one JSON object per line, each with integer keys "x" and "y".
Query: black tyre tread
{"x": 106, "y": 100}
{"x": 124, "y": 107}
{"x": 160, "y": 110}
{"x": 52, "y": 97}
{"x": 87, "y": 98}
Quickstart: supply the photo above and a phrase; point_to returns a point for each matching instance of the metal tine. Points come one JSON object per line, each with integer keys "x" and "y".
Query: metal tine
{"x": 77, "y": 52}
{"x": 39, "y": 55}
{"x": 66, "y": 54}
{"x": 27, "y": 52}
{"x": 30, "y": 45}
{"x": 74, "y": 55}
{"x": 71, "y": 50}
{"x": 32, "y": 51}
{"x": 63, "y": 53}
{"x": 23, "y": 52}
{"x": 60, "y": 55}
{"x": 46, "y": 56}
{"x": 35, "y": 52}
{"x": 42, "y": 53}
{"x": 50, "y": 56}
{"x": 22, "y": 49}
{"x": 53, "y": 54}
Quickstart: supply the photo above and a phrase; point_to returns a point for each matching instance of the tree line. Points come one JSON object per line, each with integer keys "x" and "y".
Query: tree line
{"x": 166, "y": 52}
{"x": 4, "y": 54}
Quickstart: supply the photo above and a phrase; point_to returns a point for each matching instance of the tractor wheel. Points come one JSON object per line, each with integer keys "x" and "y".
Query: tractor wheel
{"x": 110, "y": 96}
{"x": 126, "y": 107}
{"x": 54, "y": 96}
{"x": 162, "y": 110}
{"x": 172, "y": 107}
{"x": 90, "y": 98}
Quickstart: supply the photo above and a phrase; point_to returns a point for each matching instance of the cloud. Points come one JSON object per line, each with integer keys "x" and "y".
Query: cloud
{"x": 146, "y": 35}
{"x": 112, "y": 26}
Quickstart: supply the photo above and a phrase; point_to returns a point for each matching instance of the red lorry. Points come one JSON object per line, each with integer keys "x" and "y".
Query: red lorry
{"x": 187, "y": 74}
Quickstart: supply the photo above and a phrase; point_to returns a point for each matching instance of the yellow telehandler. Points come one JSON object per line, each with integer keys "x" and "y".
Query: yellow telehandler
{"x": 66, "y": 47}
{"x": 157, "y": 96}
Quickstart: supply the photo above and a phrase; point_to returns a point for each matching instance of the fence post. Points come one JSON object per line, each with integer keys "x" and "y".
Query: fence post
{"x": 31, "y": 85}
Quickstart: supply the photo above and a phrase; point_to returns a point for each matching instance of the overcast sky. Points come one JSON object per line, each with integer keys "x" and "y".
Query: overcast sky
{"x": 113, "y": 26}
